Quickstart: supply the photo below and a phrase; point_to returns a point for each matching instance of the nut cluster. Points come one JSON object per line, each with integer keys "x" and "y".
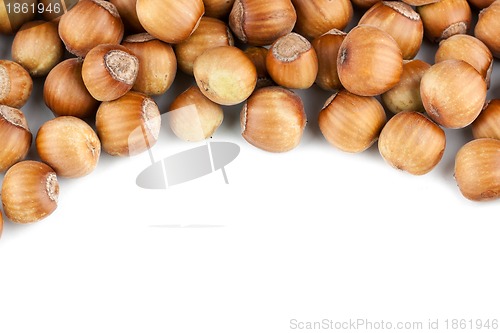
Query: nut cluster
{"x": 124, "y": 55}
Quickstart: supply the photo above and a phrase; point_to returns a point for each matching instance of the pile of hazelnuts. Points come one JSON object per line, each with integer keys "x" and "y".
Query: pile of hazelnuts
{"x": 124, "y": 52}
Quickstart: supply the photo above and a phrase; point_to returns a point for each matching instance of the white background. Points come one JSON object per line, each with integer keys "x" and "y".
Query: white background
{"x": 309, "y": 235}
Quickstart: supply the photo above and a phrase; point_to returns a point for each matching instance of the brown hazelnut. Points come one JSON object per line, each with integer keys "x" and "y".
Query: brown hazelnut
{"x": 129, "y": 125}
{"x": 369, "y": 62}
{"x": 1, "y": 223}
{"x": 445, "y": 18}
{"x": 412, "y": 143}
{"x": 261, "y": 22}
{"x": 273, "y": 119}
{"x": 481, "y": 4}
{"x": 88, "y": 24}
{"x": 210, "y": 33}
{"x": 365, "y": 4}
{"x": 218, "y": 8}
{"x": 453, "y": 93}
{"x": 469, "y": 49}
{"x": 30, "y": 191}
{"x": 258, "y": 55}
{"x": 417, "y": 3}
{"x": 292, "y": 62}
{"x": 69, "y": 145}
{"x": 327, "y": 48}
{"x": 477, "y": 169}
{"x": 15, "y": 137}
{"x": 171, "y": 21}
{"x": 37, "y": 47}
{"x": 158, "y": 65}
{"x": 109, "y": 71}
{"x": 400, "y": 21}
{"x": 351, "y": 123}
{"x": 16, "y": 84}
{"x": 316, "y": 17}
{"x": 128, "y": 13}
{"x": 64, "y": 92}
{"x": 487, "y": 124}
{"x": 487, "y": 28}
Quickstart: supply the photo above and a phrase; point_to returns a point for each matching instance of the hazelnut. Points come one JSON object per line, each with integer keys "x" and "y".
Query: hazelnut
{"x": 477, "y": 169}
{"x": 369, "y": 62}
{"x": 487, "y": 124}
{"x": 88, "y": 24}
{"x": 445, "y": 18}
{"x": 158, "y": 65}
{"x": 64, "y": 92}
{"x": 129, "y": 125}
{"x": 109, "y": 71}
{"x": 400, "y": 21}
{"x": 15, "y": 137}
{"x": 128, "y": 13}
{"x": 210, "y": 33}
{"x": 37, "y": 47}
{"x": 292, "y": 62}
{"x": 30, "y": 191}
{"x": 258, "y": 55}
{"x": 327, "y": 47}
{"x": 365, "y": 4}
{"x": 273, "y": 119}
{"x": 487, "y": 28}
{"x": 317, "y": 17}
{"x": 218, "y": 8}
{"x": 261, "y": 22}
{"x": 351, "y": 123}
{"x": 469, "y": 49}
{"x": 481, "y": 4}
{"x": 405, "y": 96}
{"x": 453, "y": 93}
{"x": 193, "y": 117}
{"x": 171, "y": 21}
{"x": 69, "y": 145}
{"x": 417, "y": 3}
{"x": 412, "y": 143}
{"x": 225, "y": 75}
{"x": 16, "y": 84}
